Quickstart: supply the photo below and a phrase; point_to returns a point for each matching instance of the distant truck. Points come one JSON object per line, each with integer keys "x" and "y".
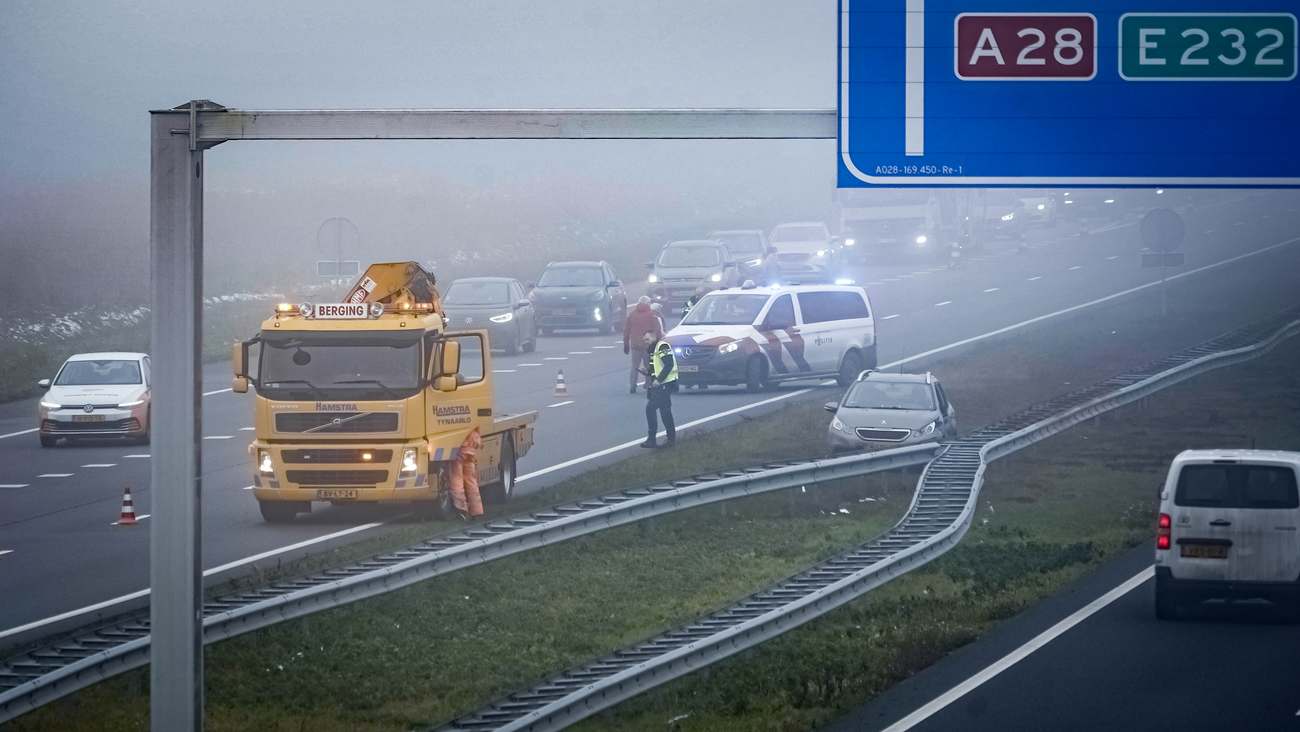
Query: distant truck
{"x": 369, "y": 400}
{"x": 898, "y": 223}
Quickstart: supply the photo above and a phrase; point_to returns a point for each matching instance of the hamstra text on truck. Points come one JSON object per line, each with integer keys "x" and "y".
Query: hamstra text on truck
{"x": 369, "y": 400}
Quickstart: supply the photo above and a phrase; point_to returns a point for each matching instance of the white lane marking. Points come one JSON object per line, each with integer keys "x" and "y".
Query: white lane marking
{"x": 905, "y": 277}
{"x": 921, "y": 273}
{"x": 890, "y": 317}
{"x": 559, "y": 404}
{"x": 1077, "y": 266}
{"x": 891, "y": 279}
{"x": 579, "y": 353}
{"x": 521, "y": 365}
{"x": 6, "y": 551}
{"x": 871, "y": 284}
{"x": 137, "y": 456}
{"x": 556, "y": 358}
{"x": 1112, "y": 258}
{"x": 20, "y": 432}
{"x": 206, "y": 573}
{"x": 941, "y": 304}
{"x": 218, "y": 437}
{"x": 1018, "y": 655}
{"x": 141, "y": 517}
{"x": 245, "y": 429}
{"x": 55, "y": 475}
{"x": 217, "y": 391}
{"x": 247, "y": 488}
{"x": 993, "y": 289}
{"x": 1035, "y": 277}
{"x": 604, "y": 347}
{"x": 14, "y": 485}
{"x": 504, "y": 371}
{"x": 99, "y": 465}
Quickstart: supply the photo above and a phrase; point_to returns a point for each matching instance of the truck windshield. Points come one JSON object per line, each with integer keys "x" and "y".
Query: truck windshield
{"x": 690, "y": 255}
{"x": 717, "y": 309}
{"x": 358, "y": 365}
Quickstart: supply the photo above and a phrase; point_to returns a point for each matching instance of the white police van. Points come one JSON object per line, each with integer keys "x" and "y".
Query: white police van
{"x": 760, "y": 336}
{"x": 1229, "y": 527}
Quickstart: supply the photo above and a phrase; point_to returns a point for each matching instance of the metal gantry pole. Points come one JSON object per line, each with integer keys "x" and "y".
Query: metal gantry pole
{"x": 175, "y": 570}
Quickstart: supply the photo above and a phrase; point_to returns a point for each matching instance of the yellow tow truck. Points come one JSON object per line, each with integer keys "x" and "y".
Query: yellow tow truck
{"x": 369, "y": 400}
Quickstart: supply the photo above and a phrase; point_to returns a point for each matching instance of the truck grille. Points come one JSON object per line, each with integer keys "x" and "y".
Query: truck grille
{"x": 334, "y": 422}
{"x": 883, "y": 435}
{"x": 324, "y": 456}
{"x": 337, "y": 477}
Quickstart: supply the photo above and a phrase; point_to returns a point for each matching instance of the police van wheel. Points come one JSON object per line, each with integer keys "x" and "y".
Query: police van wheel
{"x": 504, "y": 488}
{"x": 755, "y": 375}
{"x": 850, "y": 367}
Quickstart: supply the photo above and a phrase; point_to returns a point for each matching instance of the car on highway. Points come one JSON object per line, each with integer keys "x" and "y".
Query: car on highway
{"x": 96, "y": 395}
{"x": 1228, "y": 528}
{"x": 805, "y": 252}
{"x": 683, "y": 268}
{"x": 760, "y": 336}
{"x": 498, "y": 305}
{"x": 748, "y": 246}
{"x": 580, "y": 295}
{"x": 891, "y": 410}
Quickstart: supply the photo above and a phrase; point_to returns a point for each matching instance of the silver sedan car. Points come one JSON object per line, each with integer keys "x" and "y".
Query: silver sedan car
{"x": 97, "y": 395}
{"x": 890, "y": 410}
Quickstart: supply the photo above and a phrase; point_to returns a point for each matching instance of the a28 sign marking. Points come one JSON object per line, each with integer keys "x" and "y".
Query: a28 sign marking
{"x": 1025, "y": 46}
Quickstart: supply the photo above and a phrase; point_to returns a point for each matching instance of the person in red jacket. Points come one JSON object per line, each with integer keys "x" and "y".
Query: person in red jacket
{"x": 640, "y": 321}
{"x": 464, "y": 478}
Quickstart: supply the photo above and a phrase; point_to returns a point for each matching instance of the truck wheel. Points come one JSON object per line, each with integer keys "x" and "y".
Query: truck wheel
{"x": 441, "y": 506}
{"x": 281, "y": 512}
{"x": 755, "y": 375}
{"x": 501, "y": 491}
{"x": 49, "y": 440}
{"x": 850, "y": 367}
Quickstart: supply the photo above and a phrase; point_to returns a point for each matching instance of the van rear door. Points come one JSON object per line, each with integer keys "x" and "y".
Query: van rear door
{"x": 1236, "y": 521}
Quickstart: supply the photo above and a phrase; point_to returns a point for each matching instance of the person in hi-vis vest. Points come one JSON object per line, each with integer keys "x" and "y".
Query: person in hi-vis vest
{"x": 660, "y": 383}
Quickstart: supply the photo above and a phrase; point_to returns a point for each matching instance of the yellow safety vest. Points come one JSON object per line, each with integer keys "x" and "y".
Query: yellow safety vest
{"x": 657, "y": 361}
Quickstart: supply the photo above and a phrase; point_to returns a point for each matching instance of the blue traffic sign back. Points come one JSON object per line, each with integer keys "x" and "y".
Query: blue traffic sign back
{"x": 1069, "y": 93}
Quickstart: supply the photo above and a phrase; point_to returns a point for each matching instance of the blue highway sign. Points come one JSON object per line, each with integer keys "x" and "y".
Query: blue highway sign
{"x": 1069, "y": 93}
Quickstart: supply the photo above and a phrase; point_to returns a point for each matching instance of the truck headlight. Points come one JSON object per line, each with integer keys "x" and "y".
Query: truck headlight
{"x": 51, "y": 405}
{"x": 731, "y": 347}
{"x": 264, "y": 465}
{"x": 715, "y": 277}
{"x": 409, "y": 464}
{"x": 653, "y": 278}
{"x": 134, "y": 403}
{"x": 928, "y": 429}
{"x": 502, "y": 318}
{"x": 922, "y": 239}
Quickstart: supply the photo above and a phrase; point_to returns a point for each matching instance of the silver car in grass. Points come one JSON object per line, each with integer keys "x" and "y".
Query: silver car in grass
{"x": 891, "y": 410}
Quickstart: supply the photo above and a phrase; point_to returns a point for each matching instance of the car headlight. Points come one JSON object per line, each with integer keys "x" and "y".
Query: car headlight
{"x": 715, "y": 277}
{"x": 502, "y": 318}
{"x": 1042, "y": 207}
{"x": 1008, "y": 217}
{"x": 653, "y": 278}
{"x": 51, "y": 405}
{"x": 850, "y": 242}
{"x": 921, "y": 239}
{"x": 821, "y": 252}
{"x": 409, "y": 464}
{"x": 928, "y": 429}
{"x": 731, "y": 347}
{"x": 135, "y": 403}
{"x": 264, "y": 465}
{"x": 599, "y": 316}
{"x": 837, "y": 425}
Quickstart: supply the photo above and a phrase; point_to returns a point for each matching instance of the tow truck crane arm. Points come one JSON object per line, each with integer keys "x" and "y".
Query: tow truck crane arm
{"x": 396, "y": 283}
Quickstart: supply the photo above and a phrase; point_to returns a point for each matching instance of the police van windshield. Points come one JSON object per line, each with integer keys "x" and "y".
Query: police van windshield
{"x": 726, "y": 309}
{"x": 339, "y": 365}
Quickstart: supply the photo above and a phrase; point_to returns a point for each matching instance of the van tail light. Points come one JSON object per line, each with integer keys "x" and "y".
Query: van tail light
{"x": 1163, "y": 531}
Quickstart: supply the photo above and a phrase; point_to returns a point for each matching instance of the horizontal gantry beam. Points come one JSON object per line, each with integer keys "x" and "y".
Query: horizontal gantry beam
{"x": 216, "y": 125}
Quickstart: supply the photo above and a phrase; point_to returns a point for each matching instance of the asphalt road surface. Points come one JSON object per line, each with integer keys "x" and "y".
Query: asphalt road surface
{"x": 61, "y": 554}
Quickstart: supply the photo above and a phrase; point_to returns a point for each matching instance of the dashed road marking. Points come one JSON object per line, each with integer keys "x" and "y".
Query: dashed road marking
{"x": 579, "y": 353}
{"x": 1077, "y": 266}
{"x": 890, "y": 317}
{"x": 247, "y": 488}
{"x": 141, "y": 517}
{"x": 218, "y": 437}
{"x": 870, "y": 284}
{"x": 604, "y": 347}
{"x": 99, "y": 465}
{"x": 14, "y": 485}
{"x": 891, "y": 279}
{"x": 521, "y": 365}
{"x": 55, "y": 475}
{"x": 1112, "y": 258}
{"x": 922, "y": 272}
{"x": 1035, "y": 277}
{"x": 556, "y": 358}
{"x": 216, "y": 391}
{"x": 503, "y": 371}
{"x": 993, "y": 289}
{"x": 559, "y": 404}
{"x": 905, "y": 277}
{"x": 137, "y": 456}
{"x": 6, "y": 551}
{"x": 20, "y": 432}
{"x": 245, "y": 429}
{"x": 941, "y": 304}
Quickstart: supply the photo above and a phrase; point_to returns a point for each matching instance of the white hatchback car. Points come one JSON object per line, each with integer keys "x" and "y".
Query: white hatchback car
{"x": 1229, "y": 527}
{"x": 97, "y": 395}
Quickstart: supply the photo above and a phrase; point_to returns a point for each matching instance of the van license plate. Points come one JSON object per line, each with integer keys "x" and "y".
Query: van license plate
{"x": 1203, "y": 551}
{"x": 335, "y": 494}
{"x": 87, "y": 418}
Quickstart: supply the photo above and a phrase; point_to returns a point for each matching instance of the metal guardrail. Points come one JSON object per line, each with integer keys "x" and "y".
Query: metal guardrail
{"x": 939, "y": 516}
{"x": 97, "y": 652}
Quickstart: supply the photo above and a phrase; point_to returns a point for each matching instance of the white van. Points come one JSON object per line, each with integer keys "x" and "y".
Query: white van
{"x": 1229, "y": 527}
{"x": 759, "y": 336}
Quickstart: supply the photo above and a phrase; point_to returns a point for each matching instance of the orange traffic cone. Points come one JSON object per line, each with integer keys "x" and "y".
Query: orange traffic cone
{"x": 128, "y": 509}
{"x": 561, "y": 389}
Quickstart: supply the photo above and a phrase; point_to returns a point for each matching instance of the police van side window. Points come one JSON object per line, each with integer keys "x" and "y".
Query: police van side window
{"x": 822, "y": 307}
{"x": 780, "y": 315}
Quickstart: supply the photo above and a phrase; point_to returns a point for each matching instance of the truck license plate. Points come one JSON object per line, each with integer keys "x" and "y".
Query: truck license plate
{"x": 87, "y": 418}
{"x": 685, "y": 369}
{"x": 334, "y": 494}
{"x": 1203, "y": 551}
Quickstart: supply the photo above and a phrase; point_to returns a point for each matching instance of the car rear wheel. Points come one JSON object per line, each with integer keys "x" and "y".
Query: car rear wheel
{"x": 49, "y": 440}
{"x": 512, "y": 347}
{"x": 755, "y": 375}
{"x": 850, "y": 367}
{"x": 282, "y": 512}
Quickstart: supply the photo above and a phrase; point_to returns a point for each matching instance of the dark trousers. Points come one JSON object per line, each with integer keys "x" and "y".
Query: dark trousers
{"x": 660, "y": 400}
